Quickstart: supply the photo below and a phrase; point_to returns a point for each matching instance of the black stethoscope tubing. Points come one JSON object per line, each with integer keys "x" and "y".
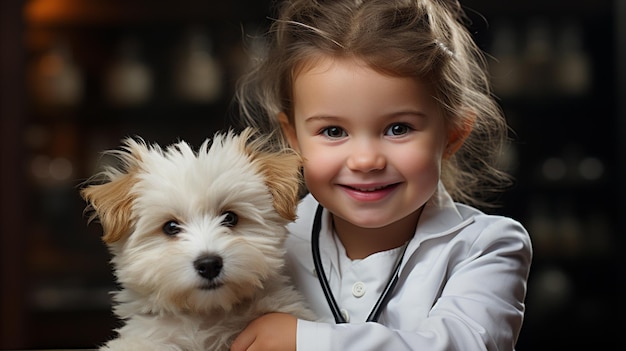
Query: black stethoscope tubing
{"x": 321, "y": 275}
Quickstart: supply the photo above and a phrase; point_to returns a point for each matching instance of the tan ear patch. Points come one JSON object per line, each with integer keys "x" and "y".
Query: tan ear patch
{"x": 282, "y": 176}
{"x": 112, "y": 203}
{"x": 280, "y": 169}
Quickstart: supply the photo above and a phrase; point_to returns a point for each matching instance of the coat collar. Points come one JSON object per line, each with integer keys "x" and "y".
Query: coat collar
{"x": 441, "y": 216}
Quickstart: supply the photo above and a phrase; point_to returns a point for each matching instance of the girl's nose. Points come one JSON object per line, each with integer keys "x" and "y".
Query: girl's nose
{"x": 366, "y": 157}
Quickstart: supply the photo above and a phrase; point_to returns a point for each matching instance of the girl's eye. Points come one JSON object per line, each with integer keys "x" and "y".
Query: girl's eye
{"x": 171, "y": 228}
{"x": 397, "y": 129}
{"x": 334, "y": 132}
{"x": 230, "y": 219}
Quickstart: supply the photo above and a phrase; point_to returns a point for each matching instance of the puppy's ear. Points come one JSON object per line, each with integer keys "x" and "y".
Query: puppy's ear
{"x": 282, "y": 176}
{"x": 112, "y": 203}
{"x": 280, "y": 169}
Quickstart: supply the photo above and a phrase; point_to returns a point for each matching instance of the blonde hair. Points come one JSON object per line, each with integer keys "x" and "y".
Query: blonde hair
{"x": 425, "y": 39}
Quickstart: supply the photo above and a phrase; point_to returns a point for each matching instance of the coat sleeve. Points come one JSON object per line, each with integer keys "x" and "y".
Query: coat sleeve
{"x": 479, "y": 303}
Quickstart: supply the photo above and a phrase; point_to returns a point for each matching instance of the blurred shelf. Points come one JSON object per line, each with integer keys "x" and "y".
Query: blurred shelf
{"x": 71, "y": 298}
{"x": 99, "y": 112}
{"x": 556, "y": 8}
{"x": 107, "y": 13}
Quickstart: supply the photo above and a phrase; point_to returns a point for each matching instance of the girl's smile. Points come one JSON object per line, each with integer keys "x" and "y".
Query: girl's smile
{"x": 368, "y": 192}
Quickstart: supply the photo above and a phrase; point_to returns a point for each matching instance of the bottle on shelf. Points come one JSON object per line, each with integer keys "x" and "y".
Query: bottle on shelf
{"x": 55, "y": 78}
{"x": 197, "y": 74}
{"x": 538, "y": 59}
{"x": 573, "y": 69}
{"x": 505, "y": 69}
{"x": 129, "y": 80}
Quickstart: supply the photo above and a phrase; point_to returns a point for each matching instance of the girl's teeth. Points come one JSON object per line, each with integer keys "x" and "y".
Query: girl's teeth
{"x": 369, "y": 189}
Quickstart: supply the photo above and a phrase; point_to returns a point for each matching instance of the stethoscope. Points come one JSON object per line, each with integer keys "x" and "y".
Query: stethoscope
{"x": 330, "y": 298}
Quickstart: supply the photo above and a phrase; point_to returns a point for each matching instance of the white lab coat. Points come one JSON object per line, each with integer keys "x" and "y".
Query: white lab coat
{"x": 462, "y": 283}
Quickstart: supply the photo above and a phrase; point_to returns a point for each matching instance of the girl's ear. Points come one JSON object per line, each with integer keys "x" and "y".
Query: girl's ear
{"x": 289, "y": 130}
{"x": 457, "y": 136}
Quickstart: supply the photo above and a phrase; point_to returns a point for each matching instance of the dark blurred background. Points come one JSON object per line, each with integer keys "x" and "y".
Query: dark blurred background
{"x": 76, "y": 76}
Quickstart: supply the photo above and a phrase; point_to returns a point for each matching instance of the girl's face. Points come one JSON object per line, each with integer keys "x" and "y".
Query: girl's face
{"x": 372, "y": 144}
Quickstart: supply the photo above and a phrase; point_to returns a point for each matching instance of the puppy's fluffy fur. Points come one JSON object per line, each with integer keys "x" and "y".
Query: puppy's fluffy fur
{"x": 196, "y": 239}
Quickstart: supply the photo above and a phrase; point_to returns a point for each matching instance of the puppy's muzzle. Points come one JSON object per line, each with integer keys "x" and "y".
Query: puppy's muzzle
{"x": 208, "y": 266}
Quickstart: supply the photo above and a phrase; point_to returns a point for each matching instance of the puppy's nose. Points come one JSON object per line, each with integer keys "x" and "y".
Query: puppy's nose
{"x": 208, "y": 266}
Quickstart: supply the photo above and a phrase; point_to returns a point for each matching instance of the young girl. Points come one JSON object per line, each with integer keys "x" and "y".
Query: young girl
{"x": 388, "y": 103}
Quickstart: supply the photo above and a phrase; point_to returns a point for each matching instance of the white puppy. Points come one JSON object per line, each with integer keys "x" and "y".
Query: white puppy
{"x": 196, "y": 239}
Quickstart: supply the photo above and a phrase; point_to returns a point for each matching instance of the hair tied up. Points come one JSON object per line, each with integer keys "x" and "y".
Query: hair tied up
{"x": 444, "y": 48}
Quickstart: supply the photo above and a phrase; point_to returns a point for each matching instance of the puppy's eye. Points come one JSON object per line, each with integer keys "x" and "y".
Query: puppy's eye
{"x": 230, "y": 219}
{"x": 171, "y": 228}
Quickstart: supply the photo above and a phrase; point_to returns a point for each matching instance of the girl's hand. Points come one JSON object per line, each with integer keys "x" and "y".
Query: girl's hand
{"x": 270, "y": 332}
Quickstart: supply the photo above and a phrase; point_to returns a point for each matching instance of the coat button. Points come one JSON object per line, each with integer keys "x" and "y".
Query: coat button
{"x": 358, "y": 289}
